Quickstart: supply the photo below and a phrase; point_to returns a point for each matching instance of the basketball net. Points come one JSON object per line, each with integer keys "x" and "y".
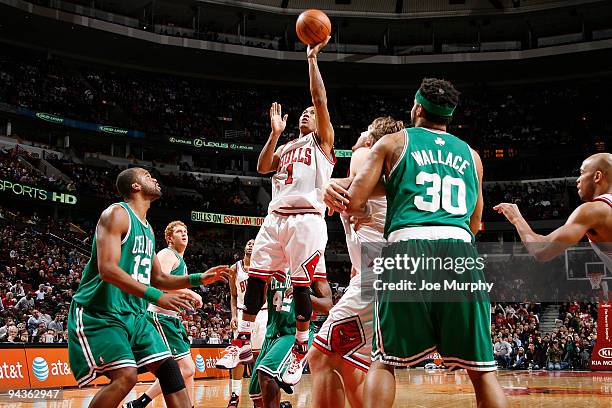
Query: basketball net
{"x": 595, "y": 278}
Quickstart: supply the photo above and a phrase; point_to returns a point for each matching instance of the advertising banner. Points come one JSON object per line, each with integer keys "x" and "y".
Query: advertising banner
{"x": 35, "y": 193}
{"x": 23, "y": 368}
{"x": 601, "y": 357}
{"x": 227, "y": 219}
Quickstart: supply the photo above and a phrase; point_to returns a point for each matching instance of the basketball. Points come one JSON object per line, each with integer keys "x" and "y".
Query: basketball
{"x": 312, "y": 27}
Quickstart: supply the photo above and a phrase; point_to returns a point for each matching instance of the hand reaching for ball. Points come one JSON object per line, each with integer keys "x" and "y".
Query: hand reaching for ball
{"x": 313, "y": 50}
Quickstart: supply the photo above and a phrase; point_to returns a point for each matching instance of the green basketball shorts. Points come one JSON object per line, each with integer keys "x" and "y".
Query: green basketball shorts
{"x": 173, "y": 333}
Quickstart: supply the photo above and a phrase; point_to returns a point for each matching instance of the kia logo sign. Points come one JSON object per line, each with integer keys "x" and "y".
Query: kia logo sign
{"x": 605, "y": 352}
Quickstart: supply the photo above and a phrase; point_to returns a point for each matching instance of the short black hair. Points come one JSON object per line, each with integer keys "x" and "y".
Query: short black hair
{"x": 440, "y": 92}
{"x": 125, "y": 179}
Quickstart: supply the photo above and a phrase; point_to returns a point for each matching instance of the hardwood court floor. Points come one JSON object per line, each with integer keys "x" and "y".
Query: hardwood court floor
{"x": 416, "y": 388}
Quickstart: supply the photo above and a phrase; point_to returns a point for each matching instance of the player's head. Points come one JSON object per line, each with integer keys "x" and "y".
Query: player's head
{"x": 308, "y": 121}
{"x": 136, "y": 180}
{"x": 176, "y": 235}
{"x": 434, "y": 102}
{"x": 248, "y": 248}
{"x": 595, "y": 176}
{"x": 379, "y": 127}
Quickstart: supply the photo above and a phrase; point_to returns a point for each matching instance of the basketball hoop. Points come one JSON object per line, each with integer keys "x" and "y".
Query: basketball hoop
{"x": 595, "y": 278}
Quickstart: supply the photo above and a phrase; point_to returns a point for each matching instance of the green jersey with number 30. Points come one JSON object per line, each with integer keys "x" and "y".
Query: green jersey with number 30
{"x": 434, "y": 182}
{"x": 137, "y": 251}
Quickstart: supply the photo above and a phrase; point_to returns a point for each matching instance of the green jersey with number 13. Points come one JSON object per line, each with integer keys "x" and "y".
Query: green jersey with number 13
{"x": 137, "y": 251}
{"x": 434, "y": 182}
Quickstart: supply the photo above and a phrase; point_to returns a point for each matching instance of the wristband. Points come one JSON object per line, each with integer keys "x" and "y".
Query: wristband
{"x": 195, "y": 279}
{"x": 152, "y": 294}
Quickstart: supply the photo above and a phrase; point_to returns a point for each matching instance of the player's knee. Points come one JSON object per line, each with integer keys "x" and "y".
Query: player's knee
{"x": 254, "y": 295}
{"x": 170, "y": 377}
{"x": 318, "y": 361}
{"x": 126, "y": 379}
{"x": 303, "y": 305}
{"x": 268, "y": 385}
{"x": 187, "y": 367}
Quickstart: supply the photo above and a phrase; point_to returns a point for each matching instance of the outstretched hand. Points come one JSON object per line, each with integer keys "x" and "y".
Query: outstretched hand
{"x": 313, "y": 50}
{"x": 335, "y": 197}
{"x": 278, "y": 122}
{"x": 175, "y": 301}
{"x": 510, "y": 211}
{"x": 216, "y": 274}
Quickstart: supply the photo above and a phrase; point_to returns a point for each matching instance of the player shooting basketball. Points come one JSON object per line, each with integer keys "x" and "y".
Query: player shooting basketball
{"x": 593, "y": 218}
{"x": 294, "y": 233}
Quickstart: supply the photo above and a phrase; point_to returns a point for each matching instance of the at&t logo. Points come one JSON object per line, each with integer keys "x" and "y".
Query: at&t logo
{"x": 40, "y": 368}
{"x": 200, "y": 363}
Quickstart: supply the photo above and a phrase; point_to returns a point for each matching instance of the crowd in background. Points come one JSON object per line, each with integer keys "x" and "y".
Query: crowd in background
{"x": 190, "y": 108}
{"x": 519, "y": 343}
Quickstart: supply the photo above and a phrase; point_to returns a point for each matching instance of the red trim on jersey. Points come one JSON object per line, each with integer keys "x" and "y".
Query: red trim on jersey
{"x": 321, "y": 348}
{"x": 344, "y": 358}
{"x": 333, "y": 154}
{"x": 321, "y": 339}
{"x": 320, "y": 278}
{"x": 294, "y": 213}
{"x": 604, "y": 199}
{"x": 310, "y": 207}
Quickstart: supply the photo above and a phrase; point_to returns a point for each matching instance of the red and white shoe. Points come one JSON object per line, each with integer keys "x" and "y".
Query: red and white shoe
{"x": 234, "y": 355}
{"x": 293, "y": 373}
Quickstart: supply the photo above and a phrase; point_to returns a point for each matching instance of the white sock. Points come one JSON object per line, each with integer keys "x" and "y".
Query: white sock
{"x": 245, "y": 326}
{"x": 302, "y": 336}
{"x": 236, "y": 386}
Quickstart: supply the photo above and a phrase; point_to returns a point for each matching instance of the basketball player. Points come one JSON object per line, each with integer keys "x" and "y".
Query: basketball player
{"x": 276, "y": 351}
{"x": 431, "y": 204}
{"x": 108, "y": 331}
{"x": 592, "y": 219}
{"x": 168, "y": 322}
{"x": 232, "y": 358}
{"x": 294, "y": 234}
{"x": 342, "y": 348}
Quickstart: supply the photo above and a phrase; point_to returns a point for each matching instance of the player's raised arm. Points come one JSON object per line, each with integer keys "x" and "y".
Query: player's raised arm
{"x": 546, "y": 247}
{"x": 322, "y": 298}
{"x": 476, "y": 218}
{"x": 325, "y": 131}
{"x": 270, "y": 155}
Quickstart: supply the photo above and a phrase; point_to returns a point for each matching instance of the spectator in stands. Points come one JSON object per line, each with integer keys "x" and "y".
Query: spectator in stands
{"x": 11, "y": 335}
{"x": 26, "y": 303}
{"x": 4, "y": 329}
{"x": 502, "y": 352}
{"x": 520, "y": 362}
{"x": 34, "y": 321}
{"x": 56, "y": 324}
{"x": 40, "y": 293}
{"x": 554, "y": 356}
{"x": 18, "y": 289}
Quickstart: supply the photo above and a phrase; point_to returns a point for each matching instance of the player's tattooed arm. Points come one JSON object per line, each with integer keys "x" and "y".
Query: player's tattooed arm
{"x": 322, "y": 298}
{"x": 325, "y": 130}
{"x": 112, "y": 226}
{"x": 233, "y": 298}
{"x": 269, "y": 158}
{"x": 476, "y": 218}
{"x": 585, "y": 218}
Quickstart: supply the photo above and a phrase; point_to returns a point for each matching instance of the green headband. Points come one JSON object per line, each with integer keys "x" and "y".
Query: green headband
{"x": 440, "y": 110}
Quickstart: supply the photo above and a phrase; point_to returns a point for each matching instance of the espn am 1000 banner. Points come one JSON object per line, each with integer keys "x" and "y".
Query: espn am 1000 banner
{"x": 227, "y": 219}
{"x": 23, "y": 368}
{"x": 35, "y": 193}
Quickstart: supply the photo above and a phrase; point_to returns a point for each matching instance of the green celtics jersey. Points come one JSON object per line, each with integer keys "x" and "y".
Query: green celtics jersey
{"x": 434, "y": 182}
{"x": 181, "y": 268}
{"x": 137, "y": 249}
{"x": 281, "y": 313}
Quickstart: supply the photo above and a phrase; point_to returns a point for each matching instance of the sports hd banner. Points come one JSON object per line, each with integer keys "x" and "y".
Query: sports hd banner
{"x": 24, "y": 368}
{"x": 35, "y": 193}
{"x": 227, "y": 219}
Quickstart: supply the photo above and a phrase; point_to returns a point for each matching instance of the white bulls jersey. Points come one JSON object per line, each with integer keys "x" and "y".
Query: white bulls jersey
{"x": 241, "y": 283}
{"x": 371, "y": 231}
{"x": 242, "y": 275}
{"x": 303, "y": 171}
{"x": 604, "y": 250}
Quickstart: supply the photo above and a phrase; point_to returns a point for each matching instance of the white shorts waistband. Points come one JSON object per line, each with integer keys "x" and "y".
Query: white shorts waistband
{"x": 433, "y": 232}
{"x": 161, "y": 310}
